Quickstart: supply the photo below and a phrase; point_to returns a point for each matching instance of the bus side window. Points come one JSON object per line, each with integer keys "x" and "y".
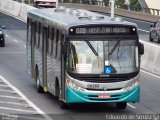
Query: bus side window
{"x": 29, "y": 30}
{"x": 28, "y": 21}
{"x": 32, "y": 33}
{"x": 35, "y": 33}
{"x": 41, "y": 38}
{"x": 39, "y": 34}
{"x": 54, "y": 43}
{"x": 49, "y": 40}
{"x": 57, "y": 37}
{"x": 62, "y": 38}
{"x": 52, "y": 40}
{"x": 59, "y": 45}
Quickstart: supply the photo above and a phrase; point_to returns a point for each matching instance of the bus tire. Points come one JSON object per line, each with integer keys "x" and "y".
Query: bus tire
{"x": 150, "y": 38}
{"x": 158, "y": 38}
{"x": 121, "y": 105}
{"x": 38, "y": 86}
{"x": 3, "y": 43}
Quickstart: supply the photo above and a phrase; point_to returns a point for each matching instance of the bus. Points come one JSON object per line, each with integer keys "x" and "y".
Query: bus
{"x": 45, "y": 3}
{"x": 85, "y": 57}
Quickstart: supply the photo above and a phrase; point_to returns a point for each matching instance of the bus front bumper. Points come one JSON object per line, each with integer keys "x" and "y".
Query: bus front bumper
{"x": 73, "y": 96}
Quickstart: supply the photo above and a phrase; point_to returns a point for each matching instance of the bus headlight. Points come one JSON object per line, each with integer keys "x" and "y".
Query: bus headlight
{"x": 72, "y": 85}
{"x": 132, "y": 86}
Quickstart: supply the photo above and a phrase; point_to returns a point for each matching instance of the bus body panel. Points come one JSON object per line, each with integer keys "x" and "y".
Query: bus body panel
{"x": 80, "y": 91}
{"x": 73, "y": 96}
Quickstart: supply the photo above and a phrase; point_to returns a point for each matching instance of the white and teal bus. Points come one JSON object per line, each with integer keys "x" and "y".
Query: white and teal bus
{"x": 84, "y": 57}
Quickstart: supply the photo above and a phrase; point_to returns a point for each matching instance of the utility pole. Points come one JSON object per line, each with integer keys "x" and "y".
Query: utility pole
{"x": 112, "y": 8}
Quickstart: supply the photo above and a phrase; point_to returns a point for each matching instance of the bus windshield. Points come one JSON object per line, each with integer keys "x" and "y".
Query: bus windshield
{"x": 90, "y": 56}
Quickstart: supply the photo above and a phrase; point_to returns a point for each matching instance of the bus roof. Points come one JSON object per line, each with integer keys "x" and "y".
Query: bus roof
{"x": 68, "y": 17}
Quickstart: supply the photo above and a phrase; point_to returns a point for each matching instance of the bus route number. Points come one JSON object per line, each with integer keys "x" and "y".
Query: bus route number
{"x": 93, "y": 86}
{"x": 80, "y": 30}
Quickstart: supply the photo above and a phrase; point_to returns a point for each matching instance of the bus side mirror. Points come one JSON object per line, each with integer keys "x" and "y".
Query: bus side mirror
{"x": 141, "y": 48}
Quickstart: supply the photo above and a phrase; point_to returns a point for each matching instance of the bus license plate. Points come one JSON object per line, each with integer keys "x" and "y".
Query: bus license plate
{"x": 104, "y": 96}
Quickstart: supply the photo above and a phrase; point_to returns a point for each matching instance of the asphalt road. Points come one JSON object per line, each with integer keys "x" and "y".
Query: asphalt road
{"x": 13, "y": 69}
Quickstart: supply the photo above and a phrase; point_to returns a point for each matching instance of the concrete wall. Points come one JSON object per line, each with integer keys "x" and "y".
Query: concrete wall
{"x": 15, "y": 9}
{"x": 150, "y": 60}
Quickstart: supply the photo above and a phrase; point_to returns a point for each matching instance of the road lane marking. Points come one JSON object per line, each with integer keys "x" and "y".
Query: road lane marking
{"x": 20, "y": 110}
{"x": 2, "y": 90}
{"x": 131, "y": 105}
{"x": 29, "y": 118}
{"x": 13, "y": 103}
{"x": 12, "y": 97}
{"x": 6, "y": 35}
{"x": 16, "y": 40}
{"x": 26, "y": 99}
{"x": 4, "y": 86}
{"x": 12, "y": 38}
{"x": 143, "y": 30}
{"x": 151, "y": 74}
{"x": 12, "y": 52}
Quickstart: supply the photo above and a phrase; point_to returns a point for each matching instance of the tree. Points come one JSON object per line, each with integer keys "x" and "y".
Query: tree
{"x": 134, "y": 2}
{"x": 134, "y": 5}
{"x": 120, "y": 3}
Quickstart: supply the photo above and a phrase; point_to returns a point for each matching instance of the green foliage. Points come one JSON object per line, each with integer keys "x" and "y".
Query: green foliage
{"x": 120, "y": 3}
{"x": 106, "y": 0}
{"x": 134, "y": 5}
{"x": 134, "y": 2}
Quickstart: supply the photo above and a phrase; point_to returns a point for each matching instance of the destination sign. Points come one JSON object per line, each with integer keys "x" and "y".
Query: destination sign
{"x": 113, "y": 30}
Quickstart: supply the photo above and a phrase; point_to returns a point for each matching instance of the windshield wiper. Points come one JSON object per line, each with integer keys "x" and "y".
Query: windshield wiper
{"x": 114, "y": 47}
{"x": 92, "y": 48}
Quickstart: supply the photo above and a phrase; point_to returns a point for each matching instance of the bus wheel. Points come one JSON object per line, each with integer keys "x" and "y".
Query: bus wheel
{"x": 158, "y": 39}
{"x": 38, "y": 86}
{"x": 150, "y": 38}
{"x": 121, "y": 105}
{"x": 3, "y": 44}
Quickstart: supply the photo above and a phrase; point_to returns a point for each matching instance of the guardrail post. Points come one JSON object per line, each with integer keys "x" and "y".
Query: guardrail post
{"x": 153, "y": 11}
{"x": 158, "y": 12}
{"x": 112, "y": 8}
